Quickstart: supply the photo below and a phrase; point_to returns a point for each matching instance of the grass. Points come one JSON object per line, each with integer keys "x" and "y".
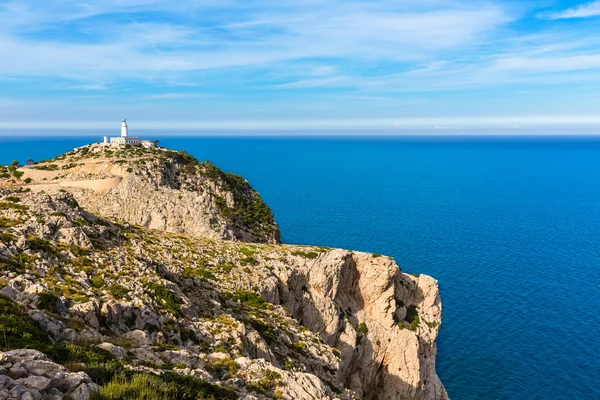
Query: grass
{"x": 169, "y": 386}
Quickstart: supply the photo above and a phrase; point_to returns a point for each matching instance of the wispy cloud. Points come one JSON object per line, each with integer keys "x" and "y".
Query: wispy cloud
{"x": 581, "y": 11}
{"x": 298, "y": 60}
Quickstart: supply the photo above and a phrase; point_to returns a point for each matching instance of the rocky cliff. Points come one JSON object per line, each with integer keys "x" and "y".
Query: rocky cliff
{"x": 196, "y": 316}
{"x": 159, "y": 189}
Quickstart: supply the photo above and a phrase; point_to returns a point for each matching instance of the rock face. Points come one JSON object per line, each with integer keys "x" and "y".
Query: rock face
{"x": 29, "y": 374}
{"x": 358, "y": 303}
{"x": 163, "y": 189}
{"x": 249, "y": 320}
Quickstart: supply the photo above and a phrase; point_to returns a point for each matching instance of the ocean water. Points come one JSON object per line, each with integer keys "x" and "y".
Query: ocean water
{"x": 509, "y": 226}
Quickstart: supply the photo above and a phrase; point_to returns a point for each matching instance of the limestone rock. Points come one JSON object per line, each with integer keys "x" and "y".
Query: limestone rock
{"x": 35, "y": 382}
{"x": 39, "y": 378}
{"x": 140, "y": 337}
{"x": 117, "y": 351}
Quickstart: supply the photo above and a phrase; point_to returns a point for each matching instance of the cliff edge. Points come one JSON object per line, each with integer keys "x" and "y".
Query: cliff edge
{"x": 191, "y": 315}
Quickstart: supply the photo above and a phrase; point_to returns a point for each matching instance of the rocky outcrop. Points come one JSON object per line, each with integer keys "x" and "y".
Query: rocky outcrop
{"x": 358, "y": 303}
{"x": 248, "y": 320}
{"x": 160, "y": 189}
{"x": 31, "y": 375}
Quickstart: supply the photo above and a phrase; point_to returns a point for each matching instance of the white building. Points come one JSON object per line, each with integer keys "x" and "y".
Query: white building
{"x": 125, "y": 139}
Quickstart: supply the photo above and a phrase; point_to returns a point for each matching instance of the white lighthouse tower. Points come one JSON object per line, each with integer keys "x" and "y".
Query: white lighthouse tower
{"x": 124, "y": 133}
{"x": 126, "y": 140}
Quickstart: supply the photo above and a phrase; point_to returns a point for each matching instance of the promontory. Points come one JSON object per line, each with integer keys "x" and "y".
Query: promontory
{"x": 136, "y": 273}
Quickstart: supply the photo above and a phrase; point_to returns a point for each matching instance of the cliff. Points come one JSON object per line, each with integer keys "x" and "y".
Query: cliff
{"x": 191, "y": 315}
{"x": 159, "y": 189}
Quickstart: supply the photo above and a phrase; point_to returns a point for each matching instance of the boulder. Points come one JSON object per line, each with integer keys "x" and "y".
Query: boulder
{"x": 141, "y": 338}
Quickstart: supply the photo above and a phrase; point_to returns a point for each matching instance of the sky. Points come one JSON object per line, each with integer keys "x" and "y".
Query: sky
{"x": 507, "y": 66}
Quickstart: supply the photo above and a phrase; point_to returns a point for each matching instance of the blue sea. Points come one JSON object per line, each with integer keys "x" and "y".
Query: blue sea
{"x": 509, "y": 226}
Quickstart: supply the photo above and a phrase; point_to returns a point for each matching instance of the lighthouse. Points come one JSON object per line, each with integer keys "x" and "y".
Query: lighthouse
{"x": 124, "y": 128}
{"x": 126, "y": 140}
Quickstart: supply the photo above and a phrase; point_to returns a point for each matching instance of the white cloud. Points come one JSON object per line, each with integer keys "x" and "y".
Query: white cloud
{"x": 205, "y": 39}
{"x": 581, "y": 11}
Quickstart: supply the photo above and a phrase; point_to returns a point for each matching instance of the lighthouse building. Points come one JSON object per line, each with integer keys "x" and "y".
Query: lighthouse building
{"x": 125, "y": 139}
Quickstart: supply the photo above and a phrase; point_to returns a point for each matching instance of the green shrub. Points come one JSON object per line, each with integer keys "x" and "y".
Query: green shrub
{"x": 249, "y": 211}
{"x": 18, "y": 330}
{"x": 12, "y": 206}
{"x": 13, "y": 199}
{"x": 248, "y": 261}
{"x": 267, "y": 384}
{"x": 265, "y": 331}
{"x": 75, "y": 323}
{"x": 201, "y": 273}
{"x": 166, "y": 299}
{"x": 225, "y": 368}
{"x": 48, "y": 301}
{"x": 362, "y": 328}
{"x": 97, "y": 282}
{"x": 39, "y": 244}
{"x": 247, "y": 252}
{"x": 250, "y": 299}
{"x": 431, "y": 324}
{"x": 6, "y": 237}
{"x": 306, "y": 254}
{"x": 412, "y": 317}
{"x": 118, "y": 291}
{"x": 8, "y": 222}
{"x": 27, "y": 180}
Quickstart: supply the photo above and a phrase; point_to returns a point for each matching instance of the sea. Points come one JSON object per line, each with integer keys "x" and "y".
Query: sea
{"x": 509, "y": 226}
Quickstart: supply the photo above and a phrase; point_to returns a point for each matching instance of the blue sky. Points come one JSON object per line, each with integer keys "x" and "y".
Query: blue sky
{"x": 428, "y": 65}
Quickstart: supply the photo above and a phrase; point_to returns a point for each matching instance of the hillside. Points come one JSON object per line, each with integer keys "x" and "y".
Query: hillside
{"x": 184, "y": 315}
{"x": 160, "y": 189}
